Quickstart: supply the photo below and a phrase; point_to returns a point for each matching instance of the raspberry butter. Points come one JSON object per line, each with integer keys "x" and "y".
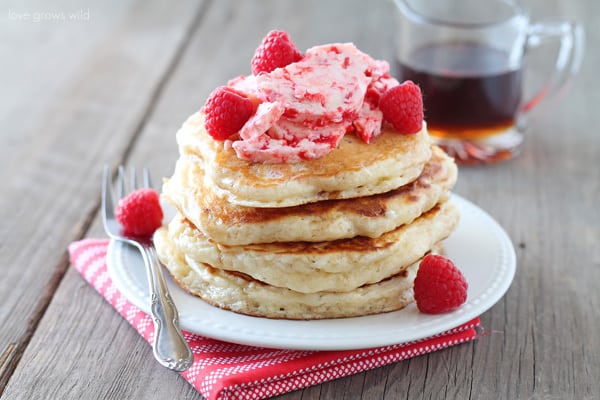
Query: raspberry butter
{"x": 304, "y": 108}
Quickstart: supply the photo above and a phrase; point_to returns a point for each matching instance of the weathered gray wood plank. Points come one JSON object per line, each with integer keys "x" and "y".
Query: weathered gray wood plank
{"x": 73, "y": 94}
{"x": 543, "y": 343}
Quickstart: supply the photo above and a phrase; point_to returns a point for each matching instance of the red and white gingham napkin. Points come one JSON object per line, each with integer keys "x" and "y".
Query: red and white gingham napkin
{"x": 223, "y": 370}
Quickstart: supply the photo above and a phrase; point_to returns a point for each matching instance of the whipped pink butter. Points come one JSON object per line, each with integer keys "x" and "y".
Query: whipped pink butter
{"x": 305, "y": 108}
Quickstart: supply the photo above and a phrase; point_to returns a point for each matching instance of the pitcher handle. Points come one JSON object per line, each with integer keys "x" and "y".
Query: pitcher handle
{"x": 569, "y": 58}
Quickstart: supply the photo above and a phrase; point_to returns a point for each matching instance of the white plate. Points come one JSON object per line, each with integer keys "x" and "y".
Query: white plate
{"x": 479, "y": 247}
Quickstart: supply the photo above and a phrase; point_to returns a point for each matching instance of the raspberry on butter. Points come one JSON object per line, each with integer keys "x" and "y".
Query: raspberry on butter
{"x": 140, "y": 213}
{"x": 276, "y": 50}
{"x": 439, "y": 286}
{"x": 226, "y": 111}
{"x": 402, "y": 106}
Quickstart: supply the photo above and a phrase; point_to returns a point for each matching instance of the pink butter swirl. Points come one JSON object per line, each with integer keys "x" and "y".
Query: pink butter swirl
{"x": 307, "y": 107}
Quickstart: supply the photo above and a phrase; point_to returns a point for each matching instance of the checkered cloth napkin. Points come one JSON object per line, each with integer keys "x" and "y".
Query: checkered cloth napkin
{"x": 223, "y": 370}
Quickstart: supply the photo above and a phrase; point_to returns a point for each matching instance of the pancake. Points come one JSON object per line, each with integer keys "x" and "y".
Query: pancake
{"x": 369, "y": 216}
{"x": 354, "y": 169}
{"x": 317, "y": 207}
{"x": 241, "y": 293}
{"x": 306, "y": 267}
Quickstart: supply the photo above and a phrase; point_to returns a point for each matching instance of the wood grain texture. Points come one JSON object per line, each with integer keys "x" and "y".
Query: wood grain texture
{"x": 540, "y": 340}
{"x": 74, "y": 93}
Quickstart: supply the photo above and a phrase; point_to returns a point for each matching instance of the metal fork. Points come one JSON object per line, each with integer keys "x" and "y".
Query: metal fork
{"x": 169, "y": 347}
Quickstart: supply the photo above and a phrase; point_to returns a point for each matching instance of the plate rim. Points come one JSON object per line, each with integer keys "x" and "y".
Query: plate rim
{"x": 265, "y": 338}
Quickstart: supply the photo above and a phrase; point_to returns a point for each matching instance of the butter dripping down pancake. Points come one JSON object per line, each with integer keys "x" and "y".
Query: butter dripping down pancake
{"x": 368, "y": 216}
{"x": 240, "y": 293}
{"x": 308, "y": 267}
{"x": 354, "y": 169}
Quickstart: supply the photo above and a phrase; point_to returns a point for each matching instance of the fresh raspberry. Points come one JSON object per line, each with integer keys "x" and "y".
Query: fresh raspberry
{"x": 226, "y": 111}
{"x": 402, "y": 105}
{"x": 140, "y": 213}
{"x": 439, "y": 286}
{"x": 275, "y": 51}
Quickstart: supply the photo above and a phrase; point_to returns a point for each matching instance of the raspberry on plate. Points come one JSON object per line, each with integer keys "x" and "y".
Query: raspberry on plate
{"x": 402, "y": 106}
{"x": 140, "y": 213}
{"x": 226, "y": 111}
{"x": 276, "y": 50}
{"x": 439, "y": 286}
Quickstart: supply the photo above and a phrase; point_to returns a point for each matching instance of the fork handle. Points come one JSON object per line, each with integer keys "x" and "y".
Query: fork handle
{"x": 169, "y": 346}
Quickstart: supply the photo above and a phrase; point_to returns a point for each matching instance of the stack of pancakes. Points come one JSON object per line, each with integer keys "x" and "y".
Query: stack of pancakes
{"x": 337, "y": 236}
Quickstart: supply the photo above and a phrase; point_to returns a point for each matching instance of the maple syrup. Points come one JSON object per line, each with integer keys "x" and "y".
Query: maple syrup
{"x": 470, "y": 91}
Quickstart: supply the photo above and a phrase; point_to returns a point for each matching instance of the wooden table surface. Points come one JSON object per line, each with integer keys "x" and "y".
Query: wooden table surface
{"x": 88, "y": 83}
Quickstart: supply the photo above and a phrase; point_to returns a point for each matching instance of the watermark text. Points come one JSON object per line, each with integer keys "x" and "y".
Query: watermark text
{"x": 49, "y": 15}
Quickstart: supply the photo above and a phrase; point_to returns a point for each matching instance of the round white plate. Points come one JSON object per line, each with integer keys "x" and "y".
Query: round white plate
{"x": 479, "y": 247}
